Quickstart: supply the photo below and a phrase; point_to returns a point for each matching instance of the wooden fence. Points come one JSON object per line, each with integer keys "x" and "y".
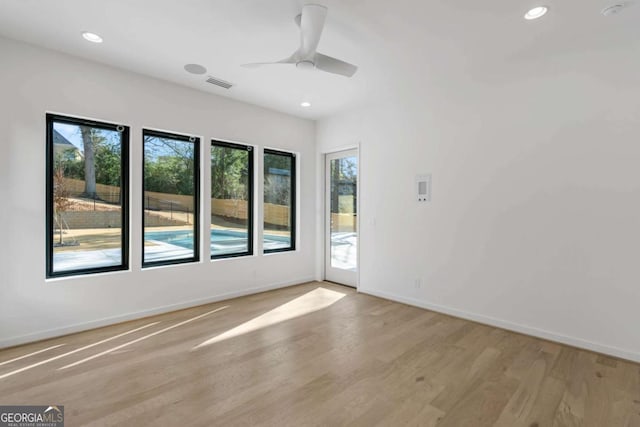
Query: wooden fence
{"x": 228, "y": 208}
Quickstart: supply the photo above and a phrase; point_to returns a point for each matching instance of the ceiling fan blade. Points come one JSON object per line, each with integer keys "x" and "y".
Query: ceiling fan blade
{"x": 333, "y": 65}
{"x": 311, "y": 25}
{"x": 259, "y": 64}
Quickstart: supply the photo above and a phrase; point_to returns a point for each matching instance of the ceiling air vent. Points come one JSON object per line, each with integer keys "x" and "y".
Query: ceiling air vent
{"x": 219, "y": 82}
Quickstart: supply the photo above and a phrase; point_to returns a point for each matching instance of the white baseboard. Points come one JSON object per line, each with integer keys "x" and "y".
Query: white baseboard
{"x": 79, "y": 327}
{"x": 504, "y": 324}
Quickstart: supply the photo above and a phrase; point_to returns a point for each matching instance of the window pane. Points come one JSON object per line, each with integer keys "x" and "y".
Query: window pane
{"x": 87, "y": 215}
{"x": 343, "y": 223}
{"x": 231, "y": 199}
{"x": 279, "y": 201}
{"x": 170, "y": 198}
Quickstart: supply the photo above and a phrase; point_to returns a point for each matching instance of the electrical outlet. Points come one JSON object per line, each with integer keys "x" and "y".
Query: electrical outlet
{"x": 418, "y": 283}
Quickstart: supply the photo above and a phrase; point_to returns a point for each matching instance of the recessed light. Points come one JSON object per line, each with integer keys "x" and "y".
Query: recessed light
{"x": 536, "y": 12}
{"x": 305, "y": 104}
{"x": 92, "y": 37}
{"x": 195, "y": 69}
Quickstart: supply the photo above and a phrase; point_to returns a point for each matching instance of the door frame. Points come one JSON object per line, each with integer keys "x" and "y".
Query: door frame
{"x": 325, "y": 206}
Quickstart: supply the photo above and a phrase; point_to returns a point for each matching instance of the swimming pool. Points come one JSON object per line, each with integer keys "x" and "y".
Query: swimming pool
{"x": 167, "y": 245}
{"x": 222, "y": 241}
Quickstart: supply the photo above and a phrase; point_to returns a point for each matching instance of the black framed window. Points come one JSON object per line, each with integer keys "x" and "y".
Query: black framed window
{"x": 279, "y": 201}
{"x": 87, "y": 198}
{"x": 171, "y": 171}
{"x": 231, "y": 200}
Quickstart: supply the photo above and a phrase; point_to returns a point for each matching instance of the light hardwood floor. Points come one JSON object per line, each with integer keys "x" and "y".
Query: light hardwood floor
{"x": 318, "y": 354}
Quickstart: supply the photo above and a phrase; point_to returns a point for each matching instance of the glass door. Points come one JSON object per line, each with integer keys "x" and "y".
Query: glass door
{"x": 341, "y": 212}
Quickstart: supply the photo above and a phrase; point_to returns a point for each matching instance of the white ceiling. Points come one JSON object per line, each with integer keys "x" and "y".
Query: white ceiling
{"x": 394, "y": 43}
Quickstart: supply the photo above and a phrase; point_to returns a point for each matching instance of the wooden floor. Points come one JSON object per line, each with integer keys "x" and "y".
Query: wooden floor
{"x": 318, "y": 354}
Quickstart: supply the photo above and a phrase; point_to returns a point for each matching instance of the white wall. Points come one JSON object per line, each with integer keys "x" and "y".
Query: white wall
{"x": 34, "y": 81}
{"x": 535, "y": 218}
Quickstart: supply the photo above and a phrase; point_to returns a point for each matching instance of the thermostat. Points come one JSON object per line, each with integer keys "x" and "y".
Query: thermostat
{"x": 423, "y": 188}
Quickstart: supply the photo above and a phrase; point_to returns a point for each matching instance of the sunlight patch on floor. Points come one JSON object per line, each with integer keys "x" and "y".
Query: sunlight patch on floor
{"x": 60, "y": 356}
{"x": 30, "y": 354}
{"x": 95, "y": 356}
{"x": 314, "y": 300}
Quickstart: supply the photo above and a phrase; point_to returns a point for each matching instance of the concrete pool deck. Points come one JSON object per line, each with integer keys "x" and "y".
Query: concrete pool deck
{"x": 343, "y": 249}
{"x": 75, "y": 257}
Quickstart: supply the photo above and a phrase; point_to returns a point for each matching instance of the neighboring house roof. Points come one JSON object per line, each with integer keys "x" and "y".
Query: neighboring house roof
{"x": 276, "y": 171}
{"x": 58, "y": 139}
{"x": 63, "y": 145}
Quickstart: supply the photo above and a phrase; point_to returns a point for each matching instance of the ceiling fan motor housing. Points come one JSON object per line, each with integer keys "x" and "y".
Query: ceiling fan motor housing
{"x": 305, "y": 65}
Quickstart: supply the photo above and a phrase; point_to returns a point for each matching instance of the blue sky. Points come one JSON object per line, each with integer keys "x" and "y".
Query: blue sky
{"x": 71, "y": 132}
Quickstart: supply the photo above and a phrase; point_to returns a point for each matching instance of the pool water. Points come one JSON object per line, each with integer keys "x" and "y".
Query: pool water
{"x": 222, "y": 241}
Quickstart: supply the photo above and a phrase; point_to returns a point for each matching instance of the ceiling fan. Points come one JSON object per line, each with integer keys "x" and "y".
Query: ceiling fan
{"x": 311, "y": 23}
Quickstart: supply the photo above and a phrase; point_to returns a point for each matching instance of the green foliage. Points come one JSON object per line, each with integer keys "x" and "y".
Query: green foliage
{"x": 70, "y": 167}
{"x": 277, "y": 179}
{"x": 168, "y": 166}
{"x": 229, "y": 173}
{"x": 277, "y": 161}
{"x": 344, "y": 175}
{"x": 168, "y": 175}
{"x": 107, "y": 158}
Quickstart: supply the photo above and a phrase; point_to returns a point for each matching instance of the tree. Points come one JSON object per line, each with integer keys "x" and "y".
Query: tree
{"x": 73, "y": 168}
{"x": 108, "y": 160}
{"x": 229, "y": 173}
{"x": 335, "y": 185}
{"x": 168, "y": 166}
{"x": 89, "y": 161}
{"x": 277, "y": 179}
{"x": 60, "y": 197}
